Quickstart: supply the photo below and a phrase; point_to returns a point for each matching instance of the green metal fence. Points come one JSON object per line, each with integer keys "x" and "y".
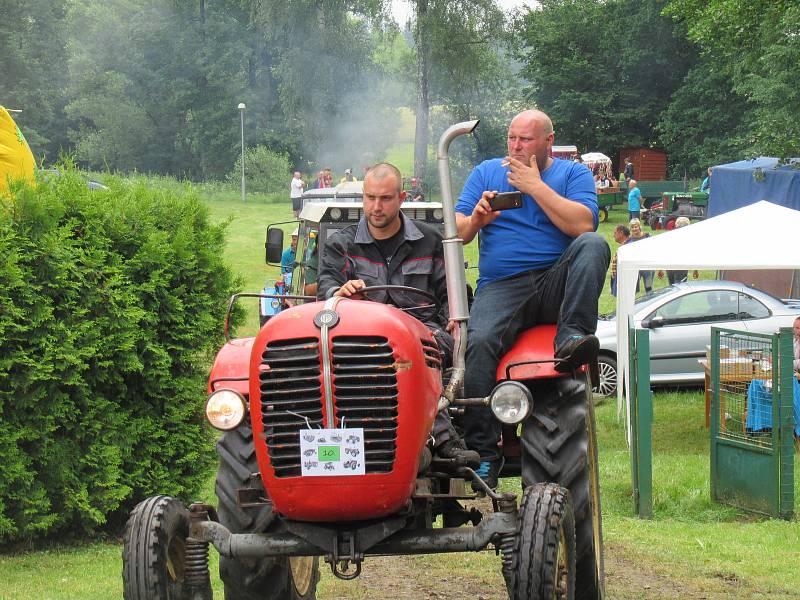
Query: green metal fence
{"x": 752, "y": 421}
{"x": 641, "y": 420}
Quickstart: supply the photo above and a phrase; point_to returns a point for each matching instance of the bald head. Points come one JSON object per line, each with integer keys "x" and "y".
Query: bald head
{"x": 537, "y": 118}
{"x": 530, "y": 134}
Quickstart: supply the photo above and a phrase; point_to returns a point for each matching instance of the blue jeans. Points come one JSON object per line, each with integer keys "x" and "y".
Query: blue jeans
{"x": 565, "y": 293}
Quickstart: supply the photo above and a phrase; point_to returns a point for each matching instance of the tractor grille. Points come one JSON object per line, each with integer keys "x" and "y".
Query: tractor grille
{"x": 433, "y": 357}
{"x": 365, "y": 386}
{"x": 292, "y": 385}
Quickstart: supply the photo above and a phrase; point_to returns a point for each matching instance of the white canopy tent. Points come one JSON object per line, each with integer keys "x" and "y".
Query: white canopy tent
{"x": 759, "y": 236}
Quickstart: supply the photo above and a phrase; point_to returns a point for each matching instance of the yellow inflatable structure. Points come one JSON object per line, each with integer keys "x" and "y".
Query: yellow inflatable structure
{"x": 16, "y": 158}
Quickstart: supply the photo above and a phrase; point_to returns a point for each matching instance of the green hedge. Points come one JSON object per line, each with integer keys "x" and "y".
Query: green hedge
{"x": 110, "y": 309}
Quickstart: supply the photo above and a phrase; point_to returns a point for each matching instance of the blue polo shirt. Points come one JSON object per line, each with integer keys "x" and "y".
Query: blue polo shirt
{"x": 634, "y": 200}
{"x": 524, "y": 239}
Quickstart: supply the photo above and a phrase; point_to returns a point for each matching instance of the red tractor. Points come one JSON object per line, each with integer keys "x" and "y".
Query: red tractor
{"x": 327, "y": 415}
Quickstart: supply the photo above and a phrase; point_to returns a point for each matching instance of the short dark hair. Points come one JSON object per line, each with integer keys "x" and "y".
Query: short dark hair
{"x": 381, "y": 170}
{"x": 623, "y": 230}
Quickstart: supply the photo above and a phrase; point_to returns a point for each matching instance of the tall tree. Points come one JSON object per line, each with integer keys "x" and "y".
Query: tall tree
{"x": 458, "y": 66}
{"x": 603, "y": 70}
{"x": 758, "y": 41}
{"x": 33, "y": 40}
{"x": 706, "y": 122}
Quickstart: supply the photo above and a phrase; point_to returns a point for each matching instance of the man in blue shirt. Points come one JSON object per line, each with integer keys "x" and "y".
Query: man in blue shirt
{"x": 541, "y": 263}
{"x": 634, "y": 200}
{"x": 289, "y": 255}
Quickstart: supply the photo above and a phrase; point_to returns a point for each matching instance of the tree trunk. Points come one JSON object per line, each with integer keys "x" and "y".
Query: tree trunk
{"x": 423, "y": 68}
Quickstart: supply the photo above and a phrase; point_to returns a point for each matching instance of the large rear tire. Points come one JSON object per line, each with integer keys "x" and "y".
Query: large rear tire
{"x": 559, "y": 446}
{"x": 544, "y": 548}
{"x": 255, "y": 579}
{"x": 154, "y": 551}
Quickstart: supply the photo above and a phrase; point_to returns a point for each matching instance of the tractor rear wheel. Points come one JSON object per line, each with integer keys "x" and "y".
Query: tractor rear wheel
{"x": 559, "y": 446}
{"x": 544, "y": 548}
{"x": 154, "y": 551}
{"x": 255, "y": 579}
{"x": 602, "y": 215}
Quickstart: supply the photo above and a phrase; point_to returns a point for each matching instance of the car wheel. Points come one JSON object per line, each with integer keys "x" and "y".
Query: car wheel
{"x": 607, "y": 370}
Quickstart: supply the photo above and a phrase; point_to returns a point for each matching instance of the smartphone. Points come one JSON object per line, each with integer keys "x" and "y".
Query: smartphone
{"x": 506, "y": 201}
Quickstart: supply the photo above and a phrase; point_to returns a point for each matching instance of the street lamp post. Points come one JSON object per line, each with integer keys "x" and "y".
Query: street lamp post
{"x": 242, "y": 108}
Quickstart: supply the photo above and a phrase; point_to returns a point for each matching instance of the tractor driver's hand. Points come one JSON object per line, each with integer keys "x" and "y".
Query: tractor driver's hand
{"x": 350, "y": 289}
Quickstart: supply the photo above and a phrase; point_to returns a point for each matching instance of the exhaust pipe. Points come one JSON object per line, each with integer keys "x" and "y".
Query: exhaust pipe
{"x": 454, "y": 262}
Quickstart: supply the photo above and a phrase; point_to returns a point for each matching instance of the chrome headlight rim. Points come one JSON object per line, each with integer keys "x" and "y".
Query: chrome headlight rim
{"x": 235, "y": 404}
{"x": 519, "y": 393}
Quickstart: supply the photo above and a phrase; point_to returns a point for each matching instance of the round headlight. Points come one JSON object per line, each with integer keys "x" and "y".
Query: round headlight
{"x": 437, "y": 214}
{"x": 275, "y": 303}
{"x": 511, "y": 402}
{"x": 225, "y": 409}
{"x": 336, "y": 214}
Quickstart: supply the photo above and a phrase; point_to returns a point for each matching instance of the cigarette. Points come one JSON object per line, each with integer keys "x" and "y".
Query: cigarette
{"x": 505, "y": 163}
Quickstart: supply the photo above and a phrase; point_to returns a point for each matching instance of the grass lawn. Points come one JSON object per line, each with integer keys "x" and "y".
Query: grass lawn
{"x": 714, "y": 551}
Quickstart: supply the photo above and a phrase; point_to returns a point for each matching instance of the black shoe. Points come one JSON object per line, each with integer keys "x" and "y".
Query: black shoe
{"x": 489, "y": 471}
{"x": 576, "y": 351}
{"x": 456, "y": 449}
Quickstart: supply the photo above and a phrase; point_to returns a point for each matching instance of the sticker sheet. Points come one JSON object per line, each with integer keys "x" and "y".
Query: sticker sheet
{"x": 327, "y": 452}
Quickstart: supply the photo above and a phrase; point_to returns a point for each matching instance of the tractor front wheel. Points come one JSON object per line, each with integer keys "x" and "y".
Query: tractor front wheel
{"x": 544, "y": 550}
{"x": 154, "y": 551}
{"x": 258, "y": 578}
{"x": 559, "y": 446}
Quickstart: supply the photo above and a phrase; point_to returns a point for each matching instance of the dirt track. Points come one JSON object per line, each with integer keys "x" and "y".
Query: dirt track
{"x": 433, "y": 578}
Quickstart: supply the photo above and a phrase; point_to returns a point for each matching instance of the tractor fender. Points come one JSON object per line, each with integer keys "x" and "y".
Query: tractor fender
{"x": 230, "y": 368}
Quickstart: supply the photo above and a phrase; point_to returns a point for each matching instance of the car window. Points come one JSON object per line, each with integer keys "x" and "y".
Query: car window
{"x": 750, "y": 308}
{"x": 708, "y": 306}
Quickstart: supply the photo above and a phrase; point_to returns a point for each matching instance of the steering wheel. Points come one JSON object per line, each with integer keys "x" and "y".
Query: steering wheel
{"x": 434, "y": 301}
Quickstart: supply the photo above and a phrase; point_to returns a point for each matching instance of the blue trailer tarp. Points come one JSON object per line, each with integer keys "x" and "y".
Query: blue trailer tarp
{"x": 739, "y": 184}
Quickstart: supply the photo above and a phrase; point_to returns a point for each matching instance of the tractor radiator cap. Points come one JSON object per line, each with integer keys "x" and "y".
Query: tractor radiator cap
{"x": 326, "y": 317}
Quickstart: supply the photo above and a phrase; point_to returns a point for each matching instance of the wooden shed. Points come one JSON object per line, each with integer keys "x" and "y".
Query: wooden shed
{"x": 648, "y": 164}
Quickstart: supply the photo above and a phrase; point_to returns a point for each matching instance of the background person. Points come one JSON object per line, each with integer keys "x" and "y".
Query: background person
{"x": 348, "y": 176}
{"x": 541, "y": 263}
{"x": 628, "y": 169}
{"x": 296, "y": 194}
{"x": 289, "y": 255}
{"x": 634, "y": 200}
{"x": 677, "y": 276}
{"x": 622, "y": 236}
{"x": 416, "y": 190}
{"x": 706, "y": 185}
{"x": 646, "y": 277}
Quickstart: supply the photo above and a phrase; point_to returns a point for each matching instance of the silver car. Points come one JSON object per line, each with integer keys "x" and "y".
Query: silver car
{"x": 680, "y": 317}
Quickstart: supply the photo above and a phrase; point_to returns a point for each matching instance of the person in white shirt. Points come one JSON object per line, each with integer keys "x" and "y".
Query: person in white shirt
{"x": 296, "y": 193}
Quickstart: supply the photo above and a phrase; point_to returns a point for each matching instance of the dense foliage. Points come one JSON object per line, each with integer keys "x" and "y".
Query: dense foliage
{"x": 758, "y": 43}
{"x": 264, "y": 170}
{"x": 604, "y": 70}
{"x": 109, "y": 309}
{"x": 153, "y": 85}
